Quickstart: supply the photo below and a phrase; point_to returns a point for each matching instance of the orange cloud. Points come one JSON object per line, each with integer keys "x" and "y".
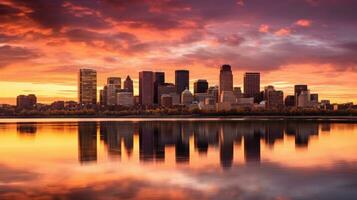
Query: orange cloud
{"x": 283, "y": 32}
{"x": 303, "y": 23}
{"x": 264, "y": 28}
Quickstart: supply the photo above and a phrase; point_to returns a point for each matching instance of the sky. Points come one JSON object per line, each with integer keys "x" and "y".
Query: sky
{"x": 44, "y": 43}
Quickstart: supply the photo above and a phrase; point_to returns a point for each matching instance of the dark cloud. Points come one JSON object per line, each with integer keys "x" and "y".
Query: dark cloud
{"x": 10, "y": 54}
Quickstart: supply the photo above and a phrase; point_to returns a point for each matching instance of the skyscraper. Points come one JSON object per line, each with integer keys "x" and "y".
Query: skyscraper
{"x": 182, "y": 80}
{"x": 159, "y": 80}
{"x": 146, "y": 87}
{"x": 128, "y": 84}
{"x": 252, "y": 85}
{"x": 225, "y": 79}
{"x": 200, "y": 86}
{"x": 113, "y": 87}
{"x": 87, "y": 86}
{"x": 297, "y": 91}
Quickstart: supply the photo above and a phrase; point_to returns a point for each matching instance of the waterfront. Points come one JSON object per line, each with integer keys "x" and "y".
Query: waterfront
{"x": 177, "y": 159}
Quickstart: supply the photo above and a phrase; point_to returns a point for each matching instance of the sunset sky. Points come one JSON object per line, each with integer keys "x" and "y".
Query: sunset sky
{"x": 44, "y": 43}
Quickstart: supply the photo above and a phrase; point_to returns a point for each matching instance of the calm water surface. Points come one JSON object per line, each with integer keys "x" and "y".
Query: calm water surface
{"x": 173, "y": 159}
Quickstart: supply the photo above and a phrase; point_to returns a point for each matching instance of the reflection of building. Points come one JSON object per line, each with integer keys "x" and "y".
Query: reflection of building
{"x": 87, "y": 86}
{"x": 149, "y": 143}
{"x": 87, "y": 141}
{"x": 26, "y": 128}
{"x": 302, "y": 131}
{"x": 252, "y": 147}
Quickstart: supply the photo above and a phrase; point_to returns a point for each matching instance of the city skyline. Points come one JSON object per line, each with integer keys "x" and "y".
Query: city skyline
{"x": 44, "y": 44}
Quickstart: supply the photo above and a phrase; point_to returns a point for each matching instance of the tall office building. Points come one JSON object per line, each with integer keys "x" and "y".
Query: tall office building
{"x": 200, "y": 86}
{"x": 304, "y": 99}
{"x": 128, "y": 84}
{"x": 252, "y": 85}
{"x": 166, "y": 89}
{"x": 87, "y": 86}
{"x": 182, "y": 80}
{"x": 275, "y": 99}
{"x": 159, "y": 80}
{"x": 146, "y": 87}
{"x": 237, "y": 92}
{"x": 225, "y": 79}
{"x": 297, "y": 91}
{"x": 290, "y": 101}
{"x": 113, "y": 87}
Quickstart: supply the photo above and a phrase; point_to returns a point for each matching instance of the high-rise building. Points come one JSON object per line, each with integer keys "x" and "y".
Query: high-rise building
{"x": 26, "y": 101}
{"x": 159, "y": 80}
{"x": 225, "y": 79}
{"x": 182, "y": 80}
{"x": 128, "y": 84}
{"x": 113, "y": 87}
{"x": 146, "y": 87}
{"x": 228, "y": 97}
{"x": 213, "y": 92}
{"x": 297, "y": 91}
{"x": 304, "y": 99}
{"x": 267, "y": 89}
{"x": 87, "y": 86}
{"x": 252, "y": 85}
{"x": 200, "y": 86}
{"x": 275, "y": 99}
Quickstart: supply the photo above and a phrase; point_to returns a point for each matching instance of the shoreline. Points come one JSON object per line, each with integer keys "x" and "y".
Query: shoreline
{"x": 352, "y": 119}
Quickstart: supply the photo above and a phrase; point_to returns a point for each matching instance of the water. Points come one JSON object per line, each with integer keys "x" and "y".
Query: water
{"x": 175, "y": 159}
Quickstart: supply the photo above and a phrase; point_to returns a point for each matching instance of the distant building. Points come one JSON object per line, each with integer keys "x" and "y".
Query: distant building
{"x": 186, "y": 97}
{"x": 252, "y": 85}
{"x": 290, "y": 101}
{"x": 201, "y": 97}
{"x": 146, "y": 87}
{"x": 128, "y": 84}
{"x": 57, "y": 105}
{"x": 166, "y": 100}
{"x": 166, "y": 88}
{"x": 112, "y": 88}
{"x": 182, "y": 80}
{"x": 237, "y": 91}
{"x": 304, "y": 99}
{"x": 200, "y": 86}
{"x": 275, "y": 99}
{"x": 297, "y": 91}
{"x": 267, "y": 89}
{"x": 213, "y": 92}
{"x": 125, "y": 98}
{"x": 26, "y": 101}
{"x": 87, "y": 86}
{"x": 225, "y": 79}
{"x": 159, "y": 80}
{"x": 228, "y": 97}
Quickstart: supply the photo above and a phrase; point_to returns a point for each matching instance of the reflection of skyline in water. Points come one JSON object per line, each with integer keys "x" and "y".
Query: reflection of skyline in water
{"x": 155, "y": 136}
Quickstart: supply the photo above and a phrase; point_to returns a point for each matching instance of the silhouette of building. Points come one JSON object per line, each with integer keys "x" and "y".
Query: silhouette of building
{"x": 182, "y": 80}
{"x": 225, "y": 79}
{"x": 112, "y": 88}
{"x": 275, "y": 100}
{"x": 26, "y": 101}
{"x": 128, "y": 84}
{"x": 200, "y": 86}
{"x": 290, "y": 101}
{"x": 166, "y": 100}
{"x": 252, "y": 85}
{"x": 304, "y": 99}
{"x": 159, "y": 80}
{"x": 167, "y": 89}
{"x": 146, "y": 88}
{"x": 252, "y": 147}
{"x": 87, "y": 86}
{"x": 186, "y": 97}
{"x": 125, "y": 98}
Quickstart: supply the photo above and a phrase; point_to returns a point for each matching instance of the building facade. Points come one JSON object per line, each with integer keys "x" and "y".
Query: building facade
{"x": 225, "y": 79}
{"x": 252, "y": 85}
{"x": 182, "y": 80}
{"x": 159, "y": 80}
{"x": 26, "y": 101}
{"x": 128, "y": 84}
{"x": 87, "y": 86}
{"x": 200, "y": 86}
{"x": 146, "y": 88}
{"x": 297, "y": 91}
